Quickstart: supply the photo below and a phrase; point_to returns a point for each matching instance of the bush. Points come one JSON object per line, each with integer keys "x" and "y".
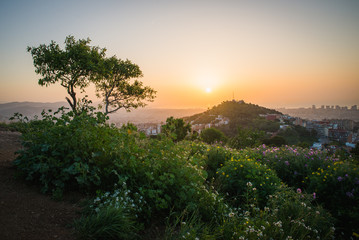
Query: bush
{"x": 236, "y": 173}
{"x": 108, "y": 223}
{"x": 336, "y": 186}
{"x": 291, "y": 164}
{"x": 212, "y": 135}
{"x": 293, "y": 214}
{"x": 333, "y": 183}
{"x": 69, "y": 152}
{"x": 215, "y": 158}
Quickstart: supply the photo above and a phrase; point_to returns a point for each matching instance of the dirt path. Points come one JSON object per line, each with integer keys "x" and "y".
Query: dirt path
{"x": 25, "y": 213}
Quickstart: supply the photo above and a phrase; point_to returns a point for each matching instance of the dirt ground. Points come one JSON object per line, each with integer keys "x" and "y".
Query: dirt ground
{"x": 25, "y": 213}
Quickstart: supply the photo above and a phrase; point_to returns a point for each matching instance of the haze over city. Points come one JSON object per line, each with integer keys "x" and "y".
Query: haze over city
{"x": 197, "y": 53}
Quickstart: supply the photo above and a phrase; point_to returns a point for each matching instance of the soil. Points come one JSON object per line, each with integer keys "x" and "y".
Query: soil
{"x": 26, "y": 213}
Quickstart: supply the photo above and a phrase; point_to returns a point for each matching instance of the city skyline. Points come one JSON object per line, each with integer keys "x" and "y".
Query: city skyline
{"x": 197, "y": 53}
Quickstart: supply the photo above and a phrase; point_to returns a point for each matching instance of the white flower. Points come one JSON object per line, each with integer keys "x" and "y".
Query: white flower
{"x": 249, "y": 184}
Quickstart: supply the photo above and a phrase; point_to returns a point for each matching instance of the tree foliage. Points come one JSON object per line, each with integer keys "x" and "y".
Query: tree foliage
{"x": 176, "y": 128}
{"x": 115, "y": 87}
{"x": 72, "y": 66}
{"x": 79, "y": 64}
{"x": 246, "y": 138}
{"x": 212, "y": 135}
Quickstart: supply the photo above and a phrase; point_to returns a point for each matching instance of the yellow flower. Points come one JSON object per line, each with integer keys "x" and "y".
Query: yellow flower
{"x": 227, "y": 175}
{"x": 223, "y": 173}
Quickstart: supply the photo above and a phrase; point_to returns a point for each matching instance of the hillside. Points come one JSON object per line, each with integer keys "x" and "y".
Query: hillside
{"x": 232, "y": 110}
{"x": 238, "y": 114}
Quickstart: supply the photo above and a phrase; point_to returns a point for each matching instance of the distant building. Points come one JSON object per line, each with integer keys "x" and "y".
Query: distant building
{"x": 271, "y": 117}
{"x": 339, "y": 135}
{"x": 354, "y": 107}
{"x": 298, "y": 121}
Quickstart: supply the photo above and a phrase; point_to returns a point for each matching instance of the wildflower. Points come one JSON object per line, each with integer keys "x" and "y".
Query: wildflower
{"x": 350, "y": 194}
{"x": 286, "y": 163}
{"x": 249, "y": 184}
{"x": 340, "y": 179}
{"x": 231, "y": 214}
{"x": 254, "y": 189}
{"x": 299, "y": 190}
{"x": 314, "y": 195}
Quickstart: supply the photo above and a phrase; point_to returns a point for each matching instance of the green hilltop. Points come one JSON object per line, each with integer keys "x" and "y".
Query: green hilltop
{"x": 238, "y": 114}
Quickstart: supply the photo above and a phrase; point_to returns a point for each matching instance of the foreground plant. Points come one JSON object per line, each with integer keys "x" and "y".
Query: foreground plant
{"x": 107, "y": 223}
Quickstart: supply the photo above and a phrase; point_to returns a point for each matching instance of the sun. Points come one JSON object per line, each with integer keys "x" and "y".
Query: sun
{"x": 208, "y": 90}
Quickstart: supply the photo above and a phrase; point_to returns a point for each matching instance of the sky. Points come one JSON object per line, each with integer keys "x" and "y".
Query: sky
{"x": 197, "y": 53}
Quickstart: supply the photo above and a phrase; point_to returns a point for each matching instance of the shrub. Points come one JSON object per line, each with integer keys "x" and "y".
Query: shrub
{"x": 108, "y": 223}
{"x": 236, "y": 173}
{"x": 336, "y": 186}
{"x": 212, "y": 135}
{"x": 215, "y": 158}
{"x": 293, "y": 214}
{"x": 291, "y": 164}
{"x": 288, "y": 215}
{"x": 69, "y": 152}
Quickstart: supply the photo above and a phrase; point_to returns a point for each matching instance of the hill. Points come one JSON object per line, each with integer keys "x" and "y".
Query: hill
{"x": 141, "y": 115}
{"x": 237, "y": 114}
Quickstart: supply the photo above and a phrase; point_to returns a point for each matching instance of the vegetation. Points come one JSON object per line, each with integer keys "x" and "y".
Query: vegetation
{"x": 212, "y": 135}
{"x": 246, "y": 138}
{"x": 194, "y": 189}
{"x": 235, "y": 111}
{"x": 294, "y": 135}
{"x": 113, "y": 84}
{"x": 176, "y": 128}
{"x": 80, "y": 64}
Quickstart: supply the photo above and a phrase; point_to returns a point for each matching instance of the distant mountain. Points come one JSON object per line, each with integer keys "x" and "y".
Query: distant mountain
{"x": 141, "y": 115}
{"x": 238, "y": 114}
{"x": 29, "y": 109}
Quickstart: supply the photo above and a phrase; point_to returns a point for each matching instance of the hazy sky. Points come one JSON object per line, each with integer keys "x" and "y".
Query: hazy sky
{"x": 271, "y": 52}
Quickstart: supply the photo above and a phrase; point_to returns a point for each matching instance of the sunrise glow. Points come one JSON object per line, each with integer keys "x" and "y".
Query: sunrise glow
{"x": 272, "y": 53}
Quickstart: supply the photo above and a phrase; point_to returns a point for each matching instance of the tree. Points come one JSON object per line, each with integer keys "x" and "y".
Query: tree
{"x": 176, "y": 128}
{"x": 246, "y": 138}
{"x": 114, "y": 85}
{"x": 72, "y": 66}
{"x": 212, "y": 135}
